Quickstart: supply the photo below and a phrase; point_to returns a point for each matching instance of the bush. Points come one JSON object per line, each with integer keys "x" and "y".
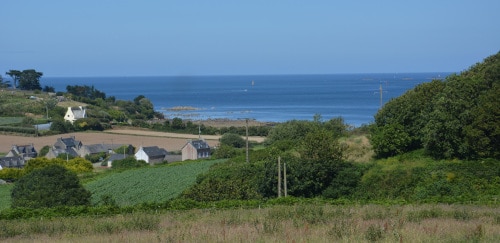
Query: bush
{"x": 233, "y": 140}
{"x": 50, "y": 186}
{"x": 128, "y": 163}
{"x": 225, "y": 152}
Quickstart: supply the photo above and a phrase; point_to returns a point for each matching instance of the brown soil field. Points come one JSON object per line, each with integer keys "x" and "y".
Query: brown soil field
{"x": 137, "y": 138}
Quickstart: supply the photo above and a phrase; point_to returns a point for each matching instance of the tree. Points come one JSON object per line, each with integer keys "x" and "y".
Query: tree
{"x": 47, "y": 88}
{"x": 30, "y": 80}
{"x": 85, "y": 92}
{"x": 3, "y": 84}
{"x": 233, "y": 140}
{"x": 177, "y": 123}
{"x": 50, "y": 186}
{"x": 128, "y": 163}
{"x": 320, "y": 162}
{"x": 61, "y": 126}
{"x": 15, "y": 75}
{"x": 390, "y": 140}
{"x": 454, "y": 118}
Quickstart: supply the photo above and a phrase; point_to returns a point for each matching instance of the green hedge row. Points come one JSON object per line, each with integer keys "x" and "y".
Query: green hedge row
{"x": 26, "y": 130}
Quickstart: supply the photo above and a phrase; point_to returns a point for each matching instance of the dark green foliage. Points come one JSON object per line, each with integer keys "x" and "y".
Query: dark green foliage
{"x": 61, "y": 126}
{"x": 390, "y": 140}
{"x": 84, "y": 93}
{"x": 47, "y": 88}
{"x": 85, "y": 124}
{"x": 15, "y": 75}
{"x": 344, "y": 184}
{"x": 128, "y": 163}
{"x": 177, "y": 123}
{"x": 309, "y": 172}
{"x": 94, "y": 158}
{"x": 50, "y": 186}
{"x": 65, "y": 156}
{"x": 455, "y": 118}
{"x": 233, "y": 140}
{"x": 43, "y": 151}
{"x": 229, "y": 180}
{"x": 125, "y": 149}
{"x": 226, "y": 152}
{"x": 421, "y": 179}
{"x": 292, "y": 131}
{"x": 28, "y": 79}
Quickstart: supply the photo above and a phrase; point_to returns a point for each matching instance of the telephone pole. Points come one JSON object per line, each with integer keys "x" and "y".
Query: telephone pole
{"x": 279, "y": 176}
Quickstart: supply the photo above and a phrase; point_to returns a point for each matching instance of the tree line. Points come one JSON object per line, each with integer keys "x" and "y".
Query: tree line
{"x": 28, "y": 79}
{"x": 455, "y": 118}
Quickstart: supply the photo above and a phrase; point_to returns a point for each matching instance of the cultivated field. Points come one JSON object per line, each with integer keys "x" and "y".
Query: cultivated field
{"x": 148, "y": 184}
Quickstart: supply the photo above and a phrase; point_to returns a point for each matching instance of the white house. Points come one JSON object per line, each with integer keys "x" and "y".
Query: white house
{"x": 151, "y": 154}
{"x": 75, "y": 113}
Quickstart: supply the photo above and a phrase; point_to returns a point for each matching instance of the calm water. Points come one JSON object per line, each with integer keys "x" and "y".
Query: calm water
{"x": 355, "y": 97}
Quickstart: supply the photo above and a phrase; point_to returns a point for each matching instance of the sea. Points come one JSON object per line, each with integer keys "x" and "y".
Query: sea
{"x": 267, "y": 98}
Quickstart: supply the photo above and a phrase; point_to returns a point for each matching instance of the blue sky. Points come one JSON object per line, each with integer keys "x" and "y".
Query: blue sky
{"x": 151, "y": 38}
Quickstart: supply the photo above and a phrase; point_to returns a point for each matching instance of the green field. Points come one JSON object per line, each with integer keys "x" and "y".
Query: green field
{"x": 5, "y": 196}
{"x": 130, "y": 187}
{"x": 10, "y": 120}
{"x": 149, "y": 184}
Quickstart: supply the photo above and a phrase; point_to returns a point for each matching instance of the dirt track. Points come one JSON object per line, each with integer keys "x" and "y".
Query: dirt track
{"x": 168, "y": 141}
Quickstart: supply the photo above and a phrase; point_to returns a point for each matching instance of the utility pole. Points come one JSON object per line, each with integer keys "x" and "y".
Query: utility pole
{"x": 284, "y": 177}
{"x": 246, "y": 131}
{"x": 279, "y": 176}
{"x": 246, "y": 128}
{"x": 381, "y": 95}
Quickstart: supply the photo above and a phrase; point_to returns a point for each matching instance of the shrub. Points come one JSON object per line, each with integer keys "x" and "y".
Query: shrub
{"x": 50, "y": 186}
{"x": 128, "y": 163}
{"x": 233, "y": 140}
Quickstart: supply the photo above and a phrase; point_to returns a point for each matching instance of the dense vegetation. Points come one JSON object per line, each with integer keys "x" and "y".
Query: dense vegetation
{"x": 50, "y": 186}
{"x": 455, "y": 118}
{"x": 76, "y": 165}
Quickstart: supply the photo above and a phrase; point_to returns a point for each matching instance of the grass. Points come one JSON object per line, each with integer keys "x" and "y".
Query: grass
{"x": 5, "y": 196}
{"x": 280, "y": 223}
{"x": 10, "y": 120}
{"x": 358, "y": 149}
{"x": 147, "y": 184}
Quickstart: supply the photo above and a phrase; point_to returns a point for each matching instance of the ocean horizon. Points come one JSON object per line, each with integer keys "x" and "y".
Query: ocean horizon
{"x": 267, "y": 98}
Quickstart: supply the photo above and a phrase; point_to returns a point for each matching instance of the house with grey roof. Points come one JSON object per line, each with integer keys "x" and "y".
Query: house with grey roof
{"x": 12, "y": 162}
{"x": 18, "y": 156}
{"x": 25, "y": 151}
{"x": 115, "y": 156}
{"x": 195, "y": 149}
{"x": 69, "y": 146}
{"x": 151, "y": 155}
{"x": 93, "y": 149}
{"x": 75, "y": 113}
